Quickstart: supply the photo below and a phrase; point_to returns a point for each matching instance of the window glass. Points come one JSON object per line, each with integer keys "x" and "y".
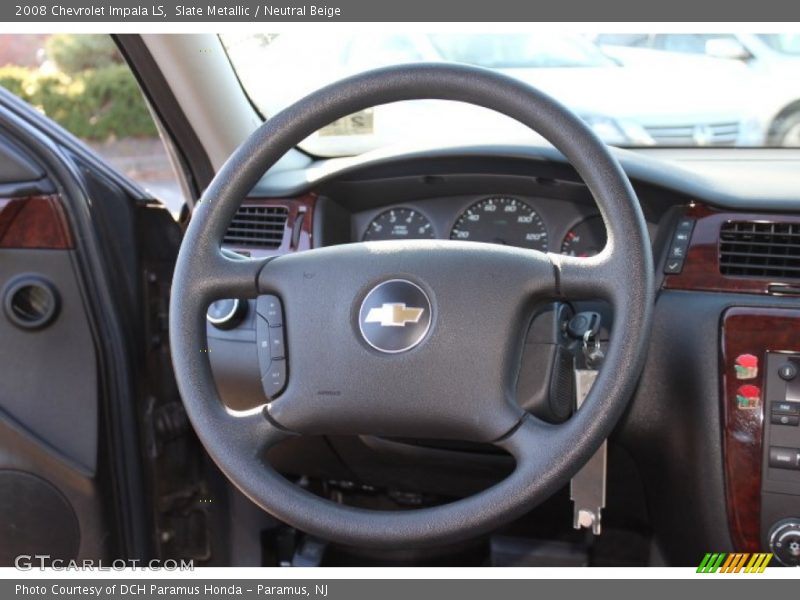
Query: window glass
{"x": 82, "y": 83}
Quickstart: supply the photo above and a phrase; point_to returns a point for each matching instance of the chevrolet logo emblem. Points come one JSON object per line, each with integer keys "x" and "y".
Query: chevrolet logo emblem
{"x": 394, "y": 314}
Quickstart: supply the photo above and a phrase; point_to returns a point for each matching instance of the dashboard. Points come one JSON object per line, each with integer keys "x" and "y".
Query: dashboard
{"x": 536, "y": 223}
{"x": 722, "y": 225}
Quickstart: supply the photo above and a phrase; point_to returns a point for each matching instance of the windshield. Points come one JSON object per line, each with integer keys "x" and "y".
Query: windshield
{"x": 782, "y": 42}
{"x": 519, "y": 51}
{"x": 633, "y": 90}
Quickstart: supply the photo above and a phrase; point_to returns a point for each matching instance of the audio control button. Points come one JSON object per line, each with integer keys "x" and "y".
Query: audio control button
{"x": 784, "y": 458}
{"x": 786, "y": 408}
{"x": 275, "y": 379}
{"x": 779, "y": 419}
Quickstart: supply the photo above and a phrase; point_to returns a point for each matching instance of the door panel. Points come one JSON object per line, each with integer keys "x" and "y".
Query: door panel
{"x": 49, "y": 394}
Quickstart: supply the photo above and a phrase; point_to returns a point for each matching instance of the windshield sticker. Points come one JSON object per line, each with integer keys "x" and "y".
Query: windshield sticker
{"x": 360, "y": 123}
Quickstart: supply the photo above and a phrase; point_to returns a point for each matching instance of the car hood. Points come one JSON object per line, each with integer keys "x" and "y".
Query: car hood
{"x": 664, "y": 95}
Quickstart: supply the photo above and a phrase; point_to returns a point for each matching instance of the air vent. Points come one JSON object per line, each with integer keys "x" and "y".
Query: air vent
{"x": 257, "y": 227}
{"x": 767, "y": 250}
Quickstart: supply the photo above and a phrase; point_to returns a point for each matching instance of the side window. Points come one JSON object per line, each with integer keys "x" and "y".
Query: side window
{"x": 82, "y": 83}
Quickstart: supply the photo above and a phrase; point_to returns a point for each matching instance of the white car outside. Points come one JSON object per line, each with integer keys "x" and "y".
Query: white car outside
{"x": 684, "y": 104}
{"x": 772, "y": 60}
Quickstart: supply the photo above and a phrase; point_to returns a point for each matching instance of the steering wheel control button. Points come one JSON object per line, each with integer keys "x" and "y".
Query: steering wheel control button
{"x": 395, "y": 316}
{"x": 685, "y": 224}
{"x": 275, "y": 379}
{"x": 270, "y": 308}
{"x": 784, "y": 458}
{"x": 271, "y": 345}
{"x": 262, "y": 340}
{"x": 787, "y": 371}
{"x": 277, "y": 348}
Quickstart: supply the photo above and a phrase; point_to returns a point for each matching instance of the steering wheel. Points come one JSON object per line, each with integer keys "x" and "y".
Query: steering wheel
{"x": 434, "y": 352}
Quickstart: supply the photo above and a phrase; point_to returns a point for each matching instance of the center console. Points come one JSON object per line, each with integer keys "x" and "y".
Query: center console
{"x": 759, "y": 368}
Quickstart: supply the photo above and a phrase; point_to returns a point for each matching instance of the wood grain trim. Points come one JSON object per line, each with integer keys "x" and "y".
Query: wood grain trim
{"x": 34, "y": 222}
{"x": 748, "y": 331}
{"x": 298, "y": 234}
{"x": 701, "y": 266}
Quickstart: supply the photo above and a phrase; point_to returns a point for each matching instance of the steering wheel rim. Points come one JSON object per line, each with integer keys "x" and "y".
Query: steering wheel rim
{"x": 547, "y": 455}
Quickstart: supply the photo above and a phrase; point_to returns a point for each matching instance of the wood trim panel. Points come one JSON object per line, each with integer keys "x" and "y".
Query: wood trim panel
{"x": 298, "y": 234}
{"x": 34, "y": 222}
{"x": 748, "y": 331}
{"x": 701, "y": 266}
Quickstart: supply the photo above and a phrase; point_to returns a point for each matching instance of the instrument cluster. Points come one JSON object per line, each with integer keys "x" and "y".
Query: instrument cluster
{"x": 536, "y": 224}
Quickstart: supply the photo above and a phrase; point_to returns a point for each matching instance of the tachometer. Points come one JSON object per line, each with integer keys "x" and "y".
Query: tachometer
{"x": 399, "y": 224}
{"x": 587, "y": 238}
{"x": 502, "y": 220}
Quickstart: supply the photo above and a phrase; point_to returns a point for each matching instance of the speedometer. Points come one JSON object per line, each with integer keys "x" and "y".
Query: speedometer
{"x": 399, "y": 224}
{"x": 501, "y": 220}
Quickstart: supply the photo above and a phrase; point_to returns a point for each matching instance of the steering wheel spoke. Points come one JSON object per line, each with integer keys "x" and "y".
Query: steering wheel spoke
{"x": 582, "y": 278}
{"x": 226, "y": 275}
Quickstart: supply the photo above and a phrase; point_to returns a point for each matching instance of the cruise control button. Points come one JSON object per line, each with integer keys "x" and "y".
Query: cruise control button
{"x": 277, "y": 349}
{"x": 685, "y": 224}
{"x": 784, "y": 458}
{"x": 778, "y": 419}
{"x": 677, "y": 252}
{"x": 275, "y": 379}
{"x": 270, "y": 308}
{"x": 673, "y": 266}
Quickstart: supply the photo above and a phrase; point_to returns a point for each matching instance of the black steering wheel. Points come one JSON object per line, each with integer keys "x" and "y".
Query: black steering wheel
{"x": 435, "y": 352}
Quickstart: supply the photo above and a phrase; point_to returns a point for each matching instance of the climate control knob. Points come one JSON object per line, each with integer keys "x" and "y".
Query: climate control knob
{"x": 784, "y": 541}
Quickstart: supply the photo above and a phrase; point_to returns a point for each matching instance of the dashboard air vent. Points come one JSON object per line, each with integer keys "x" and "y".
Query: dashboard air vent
{"x": 257, "y": 227}
{"x": 757, "y": 249}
